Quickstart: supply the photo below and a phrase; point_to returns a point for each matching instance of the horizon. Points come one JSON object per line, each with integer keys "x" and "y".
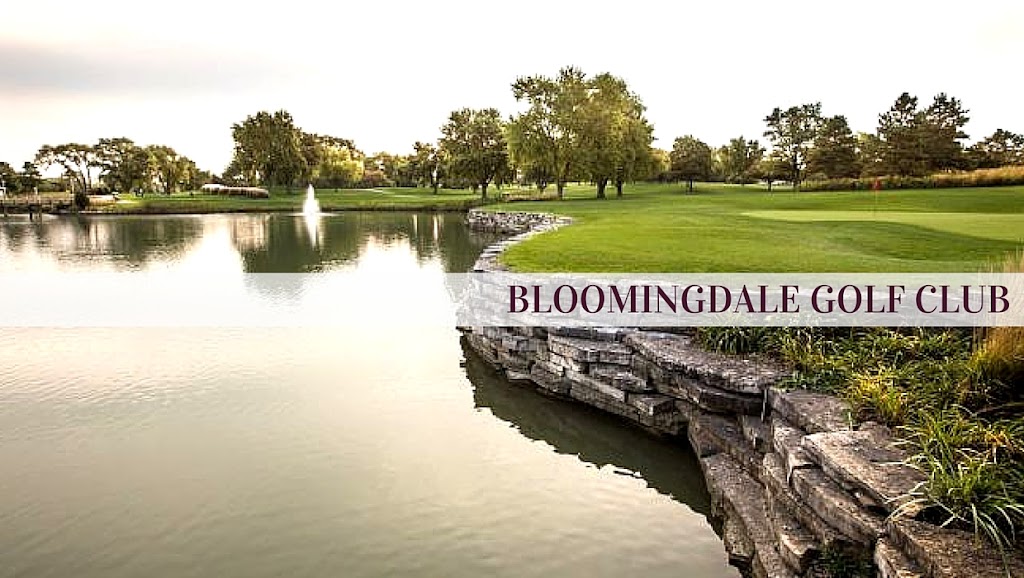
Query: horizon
{"x": 79, "y": 73}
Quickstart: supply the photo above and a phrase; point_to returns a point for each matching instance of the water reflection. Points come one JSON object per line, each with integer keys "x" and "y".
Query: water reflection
{"x": 250, "y": 243}
{"x": 667, "y": 466}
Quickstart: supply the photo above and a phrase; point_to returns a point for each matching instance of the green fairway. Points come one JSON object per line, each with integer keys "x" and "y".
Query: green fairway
{"x": 725, "y": 228}
{"x": 406, "y": 199}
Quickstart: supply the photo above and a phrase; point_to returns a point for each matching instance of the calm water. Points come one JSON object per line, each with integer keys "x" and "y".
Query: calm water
{"x": 361, "y": 451}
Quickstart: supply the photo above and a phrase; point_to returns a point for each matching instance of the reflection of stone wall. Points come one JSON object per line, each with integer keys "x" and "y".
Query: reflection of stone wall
{"x": 789, "y": 473}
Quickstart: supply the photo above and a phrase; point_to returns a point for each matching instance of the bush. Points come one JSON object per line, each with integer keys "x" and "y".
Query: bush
{"x": 956, "y": 400}
{"x": 1004, "y": 176}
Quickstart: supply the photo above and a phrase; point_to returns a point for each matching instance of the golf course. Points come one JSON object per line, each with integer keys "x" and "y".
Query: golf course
{"x": 732, "y": 228}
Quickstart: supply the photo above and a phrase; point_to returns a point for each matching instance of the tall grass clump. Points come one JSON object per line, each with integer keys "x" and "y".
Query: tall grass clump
{"x": 954, "y": 397}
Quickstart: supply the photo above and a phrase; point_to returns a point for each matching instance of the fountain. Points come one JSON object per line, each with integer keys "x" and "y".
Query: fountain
{"x": 311, "y": 206}
{"x": 311, "y": 214}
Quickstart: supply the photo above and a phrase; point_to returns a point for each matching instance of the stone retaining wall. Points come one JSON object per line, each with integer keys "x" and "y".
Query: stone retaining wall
{"x": 790, "y": 474}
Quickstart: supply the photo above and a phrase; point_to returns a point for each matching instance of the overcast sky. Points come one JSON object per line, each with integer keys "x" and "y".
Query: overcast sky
{"x": 387, "y": 73}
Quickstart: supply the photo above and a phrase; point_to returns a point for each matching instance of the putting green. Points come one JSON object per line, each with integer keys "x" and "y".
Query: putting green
{"x": 996, "y": 226}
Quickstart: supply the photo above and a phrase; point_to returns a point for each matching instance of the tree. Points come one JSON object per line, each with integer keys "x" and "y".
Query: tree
{"x": 738, "y": 159}
{"x": 901, "y": 149}
{"x": 268, "y": 149}
{"x": 770, "y": 169}
{"x": 871, "y": 155}
{"x": 791, "y": 132}
{"x": 614, "y": 137}
{"x": 918, "y": 142}
{"x": 29, "y": 178}
{"x": 474, "y": 141}
{"x": 834, "y": 154}
{"x": 77, "y": 161}
{"x": 660, "y": 164}
{"x": 125, "y": 166}
{"x": 941, "y": 127}
{"x": 427, "y": 165}
{"x": 544, "y": 140}
{"x": 691, "y": 160}
{"x": 1002, "y": 148}
{"x": 8, "y": 177}
{"x": 330, "y": 161}
{"x": 171, "y": 169}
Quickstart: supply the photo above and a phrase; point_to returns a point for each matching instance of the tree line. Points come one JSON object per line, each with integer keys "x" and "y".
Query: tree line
{"x": 573, "y": 127}
{"x": 110, "y": 165}
{"x": 910, "y": 141}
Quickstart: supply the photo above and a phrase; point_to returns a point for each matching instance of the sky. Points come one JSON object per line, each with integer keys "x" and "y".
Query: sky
{"x": 386, "y": 73}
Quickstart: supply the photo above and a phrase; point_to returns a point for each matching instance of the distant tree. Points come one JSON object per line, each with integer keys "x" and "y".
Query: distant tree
{"x": 871, "y": 155}
{"x": 544, "y": 140}
{"x": 474, "y": 142}
{"x": 76, "y": 160}
{"x": 834, "y": 154}
{"x": 660, "y": 165}
{"x": 770, "y": 169}
{"x": 942, "y": 133}
{"x": 691, "y": 160}
{"x": 901, "y": 148}
{"x": 125, "y": 166}
{"x": 170, "y": 169}
{"x": 738, "y": 159}
{"x": 1002, "y": 148}
{"x": 29, "y": 178}
{"x": 427, "y": 165}
{"x": 791, "y": 132}
{"x": 920, "y": 142}
{"x": 9, "y": 178}
{"x": 268, "y": 149}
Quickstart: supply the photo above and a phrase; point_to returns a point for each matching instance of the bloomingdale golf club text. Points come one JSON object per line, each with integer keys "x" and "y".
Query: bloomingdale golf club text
{"x": 695, "y": 299}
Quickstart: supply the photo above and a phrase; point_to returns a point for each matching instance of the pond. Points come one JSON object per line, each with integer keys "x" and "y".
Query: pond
{"x": 364, "y": 450}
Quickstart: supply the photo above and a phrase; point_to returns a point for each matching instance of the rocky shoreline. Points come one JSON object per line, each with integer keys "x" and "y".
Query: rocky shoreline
{"x": 797, "y": 484}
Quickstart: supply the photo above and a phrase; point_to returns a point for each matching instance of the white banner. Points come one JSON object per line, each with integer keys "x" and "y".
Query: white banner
{"x": 339, "y": 298}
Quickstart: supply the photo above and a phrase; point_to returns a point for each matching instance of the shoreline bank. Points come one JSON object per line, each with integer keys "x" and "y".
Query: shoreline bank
{"x": 797, "y": 484}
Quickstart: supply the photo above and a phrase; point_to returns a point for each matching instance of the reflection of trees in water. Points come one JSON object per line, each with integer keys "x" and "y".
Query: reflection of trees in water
{"x": 128, "y": 242}
{"x": 668, "y": 466}
{"x": 267, "y": 243}
{"x": 281, "y": 243}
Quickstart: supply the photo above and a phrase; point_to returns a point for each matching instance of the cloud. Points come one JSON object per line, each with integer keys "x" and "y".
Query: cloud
{"x": 34, "y": 70}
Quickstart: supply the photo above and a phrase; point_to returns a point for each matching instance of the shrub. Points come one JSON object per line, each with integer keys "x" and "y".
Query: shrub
{"x": 1003, "y": 176}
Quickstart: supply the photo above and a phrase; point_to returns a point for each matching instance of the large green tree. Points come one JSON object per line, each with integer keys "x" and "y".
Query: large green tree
{"x": 474, "y": 142}
{"x": 691, "y": 160}
{"x": 171, "y": 170}
{"x": 77, "y": 160}
{"x": 919, "y": 142}
{"x": 125, "y": 166}
{"x": 791, "y": 133}
{"x": 834, "y": 154}
{"x": 942, "y": 132}
{"x": 738, "y": 159}
{"x": 427, "y": 165}
{"x": 268, "y": 149}
{"x": 544, "y": 140}
{"x": 614, "y": 137}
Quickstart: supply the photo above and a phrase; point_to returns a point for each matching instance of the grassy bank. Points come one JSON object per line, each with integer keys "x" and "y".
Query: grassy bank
{"x": 729, "y": 228}
{"x": 291, "y": 201}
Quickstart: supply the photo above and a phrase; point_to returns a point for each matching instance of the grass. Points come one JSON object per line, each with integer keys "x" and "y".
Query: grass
{"x": 729, "y": 228}
{"x": 952, "y": 396}
{"x": 400, "y": 199}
